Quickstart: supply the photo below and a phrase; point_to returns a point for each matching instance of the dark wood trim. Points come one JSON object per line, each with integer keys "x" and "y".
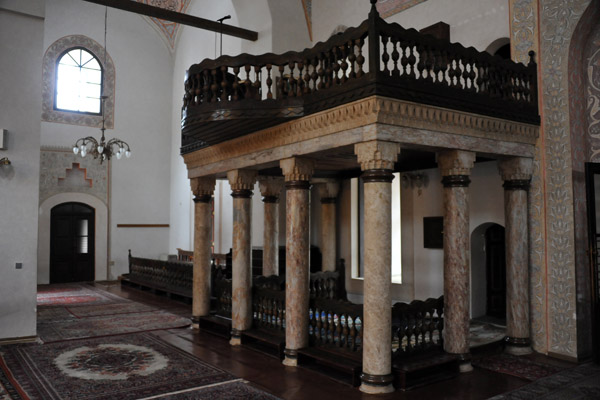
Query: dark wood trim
{"x": 180, "y": 18}
{"x": 143, "y": 225}
{"x": 592, "y": 169}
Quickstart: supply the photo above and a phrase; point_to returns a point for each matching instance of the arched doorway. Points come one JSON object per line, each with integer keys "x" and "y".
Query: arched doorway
{"x": 488, "y": 272}
{"x": 72, "y": 244}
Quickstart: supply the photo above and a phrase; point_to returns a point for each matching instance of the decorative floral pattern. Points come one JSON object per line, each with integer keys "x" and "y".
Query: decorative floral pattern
{"x": 524, "y": 28}
{"x": 54, "y": 163}
{"x": 558, "y": 19}
{"x": 110, "y": 362}
{"x": 387, "y": 8}
{"x": 49, "y": 82}
{"x": 167, "y": 29}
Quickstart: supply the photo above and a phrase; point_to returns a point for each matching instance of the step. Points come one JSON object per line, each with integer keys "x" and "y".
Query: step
{"x": 423, "y": 369}
{"x": 339, "y": 365}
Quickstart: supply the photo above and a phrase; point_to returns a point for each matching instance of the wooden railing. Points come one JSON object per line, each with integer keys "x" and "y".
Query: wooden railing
{"x": 336, "y": 323}
{"x": 375, "y": 58}
{"x": 417, "y": 327}
{"x": 268, "y": 302}
{"x": 168, "y": 276}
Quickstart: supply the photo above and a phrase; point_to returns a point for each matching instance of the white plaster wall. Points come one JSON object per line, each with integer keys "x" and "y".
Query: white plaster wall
{"x": 195, "y": 45}
{"x": 139, "y": 191}
{"x": 426, "y": 265}
{"x": 474, "y": 23}
{"x": 100, "y": 234}
{"x": 21, "y": 50}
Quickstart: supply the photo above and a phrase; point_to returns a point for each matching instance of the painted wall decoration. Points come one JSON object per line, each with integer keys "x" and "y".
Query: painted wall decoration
{"x": 387, "y": 8}
{"x": 524, "y": 32}
{"x": 558, "y": 20}
{"x": 167, "y": 29}
{"x": 51, "y": 56}
{"x": 61, "y": 171}
{"x": 307, "y": 5}
{"x": 593, "y": 94}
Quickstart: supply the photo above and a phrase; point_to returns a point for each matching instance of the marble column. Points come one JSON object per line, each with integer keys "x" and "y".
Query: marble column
{"x": 202, "y": 188}
{"x": 516, "y": 174}
{"x": 297, "y": 173}
{"x": 455, "y": 167}
{"x": 328, "y": 191}
{"x": 377, "y": 160}
{"x": 242, "y": 183}
{"x": 270, "y": 188}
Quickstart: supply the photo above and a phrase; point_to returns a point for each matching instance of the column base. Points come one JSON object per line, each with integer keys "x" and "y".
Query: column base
{"x": 195, "y": 322}
{"x": 376, "y": 384}
{"x": 464, "y": 362}
{"x": 517, "y": 346}
{"x": 236, "y": 338}
{"x": 291, "y": 357}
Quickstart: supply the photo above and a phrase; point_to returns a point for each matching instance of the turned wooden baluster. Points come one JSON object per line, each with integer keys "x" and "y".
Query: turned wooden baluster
{"x": 385, "y": 57}
{"x": 197, "y": 98}
{"x": 257, "y": 83}
{"x": 351, "y": 59}
{"x": 329, "y": 69}
{"x": 281, "y": 92}
{"x": 214, "y": 87}
{"x": 360, "y": 59}
{"x": 314, "y": 76}
{"x": 247, "y": 84}
{"x": 206, "y": 92}
{"x": 344, "y": 66}
{"x": 412, "y": 59}
{"x": 395, "y": 57}
{"x": 321, "y": 72}
{"x": 269, "y": 82}
{"x": 236, "y": 85}
{"x": 224, "y": 84}
{"x": 336, "y": 66}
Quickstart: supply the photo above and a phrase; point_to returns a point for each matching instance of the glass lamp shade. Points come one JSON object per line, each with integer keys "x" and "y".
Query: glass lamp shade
{"x": 76, "y": 150}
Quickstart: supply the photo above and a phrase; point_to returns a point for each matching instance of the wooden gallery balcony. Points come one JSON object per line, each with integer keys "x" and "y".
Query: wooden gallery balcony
{"x": 377, "y": 81}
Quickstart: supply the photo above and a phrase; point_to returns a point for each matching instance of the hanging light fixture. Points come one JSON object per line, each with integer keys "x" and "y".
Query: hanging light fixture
{"x": 103, "y": 149}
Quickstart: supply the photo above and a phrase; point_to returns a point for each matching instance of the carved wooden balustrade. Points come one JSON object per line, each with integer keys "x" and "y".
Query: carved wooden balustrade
{"x": 375, "y": 58}
{"x": 336, "y": 323}
{"x": 268, "y": 302}
{"x": 417, "y": 327}
{"x": 173, "y": 277}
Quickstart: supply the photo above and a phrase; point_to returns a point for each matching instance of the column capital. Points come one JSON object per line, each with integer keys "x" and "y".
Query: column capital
{"x": 376, "y": 154}
{"x": 455, "y": 162}
{"x": 242, "y": 182}
{"x": 270, "y": 188}
{"x": 328, "y": 189}
{"x": 515, "y": 169}
{"x": 202, "y": 188}
{"x": 297, "y": 169}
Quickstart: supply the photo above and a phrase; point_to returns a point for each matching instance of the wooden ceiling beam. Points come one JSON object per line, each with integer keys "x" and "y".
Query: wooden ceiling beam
{"x": 180, "y": 18}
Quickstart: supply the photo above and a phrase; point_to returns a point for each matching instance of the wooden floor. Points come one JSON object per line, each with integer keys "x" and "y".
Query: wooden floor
{"x": 291, "y": 383}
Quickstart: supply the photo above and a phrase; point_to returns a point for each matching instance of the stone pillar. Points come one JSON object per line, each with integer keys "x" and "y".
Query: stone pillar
{"x": 328, "y": 192}
{"x": 516, "y": 174}
{"x": 455, "y": 167}
{"x": 297, "y": 173}
{"x": 242, "y": 183}
{"x": 270, "y": 188}
{"x": 202, "y": 188}
{"x": 377, "y": 160}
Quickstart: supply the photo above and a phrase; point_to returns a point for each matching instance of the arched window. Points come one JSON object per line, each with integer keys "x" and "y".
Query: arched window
{"x": 71, "y": 60}
{"x": 78, "y": 82}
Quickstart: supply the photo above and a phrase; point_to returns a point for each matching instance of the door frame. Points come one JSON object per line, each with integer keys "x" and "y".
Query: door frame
{"x": 592, "y": 169}
{"x": 101, "y": 239}
{"x": 88, "y": 258}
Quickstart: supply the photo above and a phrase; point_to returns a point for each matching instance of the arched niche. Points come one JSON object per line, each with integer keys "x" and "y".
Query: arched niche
{"x": 101, "y": 236}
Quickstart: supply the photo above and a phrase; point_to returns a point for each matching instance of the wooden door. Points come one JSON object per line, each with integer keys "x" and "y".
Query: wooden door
{"x": 592, "y": 183}
{"x": 72, "y": 243}
{"x": 496, "y": 271}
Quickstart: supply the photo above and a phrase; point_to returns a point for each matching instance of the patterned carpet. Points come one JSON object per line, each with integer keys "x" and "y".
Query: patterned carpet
{"x": 579, "y": 383}
{"x": 119, "y": 367}
{"x": 109, "y": 325}
{"x": 77, "y": 311}
{"x": 520, "y": 367}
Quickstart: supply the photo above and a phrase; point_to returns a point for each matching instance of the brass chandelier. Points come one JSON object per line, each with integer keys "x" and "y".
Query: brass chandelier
{"x": 103, "y": 149}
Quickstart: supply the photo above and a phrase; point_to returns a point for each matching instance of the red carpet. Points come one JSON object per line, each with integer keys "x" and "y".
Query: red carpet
{"x": 520, "y": 367}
